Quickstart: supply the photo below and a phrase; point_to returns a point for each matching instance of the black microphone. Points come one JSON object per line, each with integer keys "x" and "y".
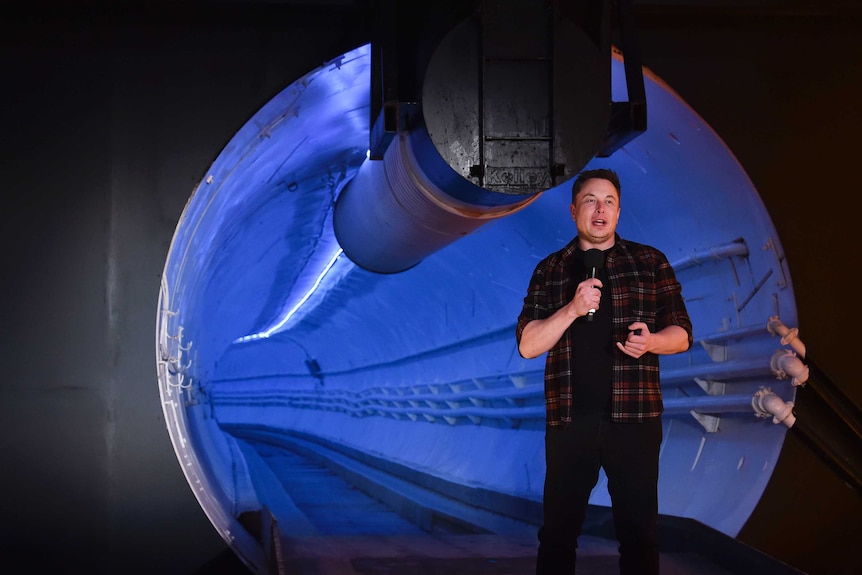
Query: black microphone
{"x": 594, "y": 260}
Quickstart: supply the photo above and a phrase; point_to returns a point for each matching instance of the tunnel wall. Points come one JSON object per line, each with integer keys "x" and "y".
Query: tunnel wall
{"x": 108, "y": 129}
{"x": 440, "y": 336}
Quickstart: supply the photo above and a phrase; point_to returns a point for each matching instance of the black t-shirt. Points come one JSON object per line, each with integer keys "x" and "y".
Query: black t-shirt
{"x": 592, "y": 347}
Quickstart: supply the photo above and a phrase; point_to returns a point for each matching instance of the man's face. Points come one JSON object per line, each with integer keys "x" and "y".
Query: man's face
{"x": 596, "y": 211}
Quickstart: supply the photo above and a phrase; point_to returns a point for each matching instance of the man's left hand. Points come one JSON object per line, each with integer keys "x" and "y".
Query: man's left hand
{"x": 637, "y": 342}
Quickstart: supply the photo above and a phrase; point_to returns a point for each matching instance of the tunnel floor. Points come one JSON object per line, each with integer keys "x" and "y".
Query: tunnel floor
{"x": 457, "y": 555}
{"x": 357, "y": 534}
{"x": 460, "y": 555}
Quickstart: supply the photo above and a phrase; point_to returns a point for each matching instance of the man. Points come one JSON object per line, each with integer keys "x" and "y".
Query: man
{"x": 603, "y": 328}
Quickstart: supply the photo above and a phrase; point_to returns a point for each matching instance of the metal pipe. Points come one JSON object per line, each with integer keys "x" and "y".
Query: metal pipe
{"x": 766, "y": 403}
{"x": 391, "y": 215}
{"x": 784, "y": 362}
{"x": 789, "y": 336}
{"x": 715, "y": 253}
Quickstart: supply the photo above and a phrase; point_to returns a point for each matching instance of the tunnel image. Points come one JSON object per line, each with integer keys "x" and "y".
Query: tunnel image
{"x": 322, "y": 304}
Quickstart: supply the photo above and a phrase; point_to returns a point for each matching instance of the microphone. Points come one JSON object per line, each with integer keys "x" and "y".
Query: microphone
{"x": 594, "y": 260}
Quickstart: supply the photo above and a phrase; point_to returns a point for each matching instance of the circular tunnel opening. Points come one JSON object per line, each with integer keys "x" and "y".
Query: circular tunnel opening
{"x": 269, "y": 339}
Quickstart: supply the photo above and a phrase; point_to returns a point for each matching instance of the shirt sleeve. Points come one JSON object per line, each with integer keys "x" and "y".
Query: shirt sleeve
{"x": 671, "y": 305}
{"x": 536, "y": 302}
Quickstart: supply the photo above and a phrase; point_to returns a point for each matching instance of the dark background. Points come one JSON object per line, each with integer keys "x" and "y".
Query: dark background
{"x": 782, "y": 88}
{"x": 110, "y": 114}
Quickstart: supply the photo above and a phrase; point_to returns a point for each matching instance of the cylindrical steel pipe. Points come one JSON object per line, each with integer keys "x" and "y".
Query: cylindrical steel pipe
{"x": 391, "y": 216}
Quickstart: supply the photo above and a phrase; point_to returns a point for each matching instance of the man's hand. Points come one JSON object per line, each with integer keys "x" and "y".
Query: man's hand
{"x": 587, "y": 297}
{"x": 638, "y": 340}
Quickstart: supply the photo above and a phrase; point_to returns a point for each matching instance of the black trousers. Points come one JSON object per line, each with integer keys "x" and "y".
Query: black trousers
{"x": 628, "y": 452}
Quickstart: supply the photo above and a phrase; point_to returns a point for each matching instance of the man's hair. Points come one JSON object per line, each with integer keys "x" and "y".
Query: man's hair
{"x": 602, "y": 173}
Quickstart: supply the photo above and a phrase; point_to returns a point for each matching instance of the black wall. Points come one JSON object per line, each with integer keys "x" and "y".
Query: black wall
{"x": 783, "y": 90}
{"x": 110, "y": 114}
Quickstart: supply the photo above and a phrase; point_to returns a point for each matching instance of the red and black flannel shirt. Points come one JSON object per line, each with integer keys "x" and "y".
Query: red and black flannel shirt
{"x": 643, "y": 288}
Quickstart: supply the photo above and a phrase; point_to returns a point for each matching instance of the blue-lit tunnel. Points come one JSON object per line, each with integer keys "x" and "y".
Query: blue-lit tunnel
{"x": 266, "y": 328}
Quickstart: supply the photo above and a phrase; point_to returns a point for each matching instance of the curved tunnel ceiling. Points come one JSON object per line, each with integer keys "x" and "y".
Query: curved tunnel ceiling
{"x": 264, "y": 322}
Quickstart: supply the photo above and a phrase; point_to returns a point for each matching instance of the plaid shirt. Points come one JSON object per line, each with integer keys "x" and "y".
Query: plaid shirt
{"x": 643, "y": 288}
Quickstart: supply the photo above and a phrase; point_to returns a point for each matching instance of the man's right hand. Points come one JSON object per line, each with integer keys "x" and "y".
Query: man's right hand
{"x": 587, "y": 297}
